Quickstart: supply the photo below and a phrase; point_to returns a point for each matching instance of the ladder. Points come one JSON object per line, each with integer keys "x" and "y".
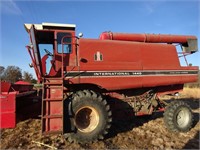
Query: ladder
{"x": 52, "y": 115}
{"x": 52, "y": 105}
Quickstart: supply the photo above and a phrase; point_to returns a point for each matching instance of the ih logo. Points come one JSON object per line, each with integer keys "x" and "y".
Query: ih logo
{"x": 98, "y": 56}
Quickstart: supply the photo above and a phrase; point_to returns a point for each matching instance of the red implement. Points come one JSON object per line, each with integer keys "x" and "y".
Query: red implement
{"x": 10, "y": 100}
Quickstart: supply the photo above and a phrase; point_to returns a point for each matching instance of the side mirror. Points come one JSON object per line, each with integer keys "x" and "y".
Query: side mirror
{"x": 31, "y": 65}
{"x": 80, "y": 35}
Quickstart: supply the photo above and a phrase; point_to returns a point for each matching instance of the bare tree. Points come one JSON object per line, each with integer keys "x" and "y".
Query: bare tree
{"x": 1, "y": 70}
{"x": 27, "y": 77}
{"x": 12, "y": 74}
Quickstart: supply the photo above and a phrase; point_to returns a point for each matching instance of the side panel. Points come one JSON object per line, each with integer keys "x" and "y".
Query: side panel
{"x": 159, "y": 57}
{"x": 98, "y": 56}
{"x": 121, "y": 65}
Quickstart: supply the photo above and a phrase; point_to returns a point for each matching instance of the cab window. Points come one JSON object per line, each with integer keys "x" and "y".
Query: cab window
{"x": 64, "y": 42}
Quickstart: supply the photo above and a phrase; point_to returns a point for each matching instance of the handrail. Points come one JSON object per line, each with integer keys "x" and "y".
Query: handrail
{"x": 184, "y": 54}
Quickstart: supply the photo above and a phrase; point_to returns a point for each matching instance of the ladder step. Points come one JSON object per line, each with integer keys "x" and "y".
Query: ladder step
{"x": 52, "y": 116}
{"x": 54, "y": 87}
{"x": 58, "y": 78}
{"x": 52, "y": 99}
{"x": 53, "y": 83}
{"x": 52, "y": 132}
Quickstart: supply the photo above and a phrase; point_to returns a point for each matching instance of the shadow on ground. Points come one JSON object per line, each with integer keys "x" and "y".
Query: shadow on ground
{"x": 124, "y": 119}
{"x": 193, "y": 143}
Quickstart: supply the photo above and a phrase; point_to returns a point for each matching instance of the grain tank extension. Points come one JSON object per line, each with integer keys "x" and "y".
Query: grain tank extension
{"x": 85, "y": 80}
{"x": 189, "y": 43}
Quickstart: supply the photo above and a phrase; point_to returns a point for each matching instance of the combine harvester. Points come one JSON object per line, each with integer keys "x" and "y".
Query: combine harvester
{"x": 83, "y": 78}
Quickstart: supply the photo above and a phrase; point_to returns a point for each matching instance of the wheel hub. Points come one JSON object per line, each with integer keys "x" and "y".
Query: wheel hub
{"x": 86, "y": 119}
{"x": 182, "y": 118}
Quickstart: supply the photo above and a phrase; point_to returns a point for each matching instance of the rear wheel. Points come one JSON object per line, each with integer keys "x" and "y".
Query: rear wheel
{"x": 178, "y": 117}
{"x": 91, "y": 115}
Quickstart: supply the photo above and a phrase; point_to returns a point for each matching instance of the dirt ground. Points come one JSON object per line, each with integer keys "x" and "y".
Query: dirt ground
{"x": 135, "y": 133}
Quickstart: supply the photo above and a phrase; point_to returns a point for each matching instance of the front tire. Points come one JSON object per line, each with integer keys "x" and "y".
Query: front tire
{"x": 178, "y": 117}
{"x": 91, "y": 117}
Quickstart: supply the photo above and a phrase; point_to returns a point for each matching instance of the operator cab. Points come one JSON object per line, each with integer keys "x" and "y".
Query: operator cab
{"x": 50, "y": 48}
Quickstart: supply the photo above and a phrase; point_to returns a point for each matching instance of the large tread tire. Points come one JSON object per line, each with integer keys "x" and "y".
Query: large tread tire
{"x": 178, "y": 117}
{"x": 88, "y": 101}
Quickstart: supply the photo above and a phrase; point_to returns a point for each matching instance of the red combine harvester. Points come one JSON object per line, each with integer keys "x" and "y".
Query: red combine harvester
{"x": 17, "y": 102}
{"x": 82, "y": 78}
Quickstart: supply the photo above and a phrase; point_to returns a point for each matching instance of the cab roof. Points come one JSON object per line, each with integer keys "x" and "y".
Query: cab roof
{"x": 50, "y": 26}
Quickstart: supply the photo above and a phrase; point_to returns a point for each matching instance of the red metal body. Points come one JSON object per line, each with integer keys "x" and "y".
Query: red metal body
{"x": 128, "y": 65}
{"x": 14, "y": 98}
{"x": 115, "y": 65}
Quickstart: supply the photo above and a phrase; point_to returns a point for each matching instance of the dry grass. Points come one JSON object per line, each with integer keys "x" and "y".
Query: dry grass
{"x": 191, "y": 93}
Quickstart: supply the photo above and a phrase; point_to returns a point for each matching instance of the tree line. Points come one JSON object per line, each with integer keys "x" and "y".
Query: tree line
{"x": 13, "y": 74}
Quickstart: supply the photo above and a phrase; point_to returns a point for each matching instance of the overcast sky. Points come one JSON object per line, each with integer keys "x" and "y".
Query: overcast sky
{"x": 92, "y": 18}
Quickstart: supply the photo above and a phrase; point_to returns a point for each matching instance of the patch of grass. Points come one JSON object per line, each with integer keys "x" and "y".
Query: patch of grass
{"x": 191, "y": 92}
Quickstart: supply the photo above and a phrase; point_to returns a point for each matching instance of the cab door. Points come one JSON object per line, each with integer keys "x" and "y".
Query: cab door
{"x": 66, "y": 55}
